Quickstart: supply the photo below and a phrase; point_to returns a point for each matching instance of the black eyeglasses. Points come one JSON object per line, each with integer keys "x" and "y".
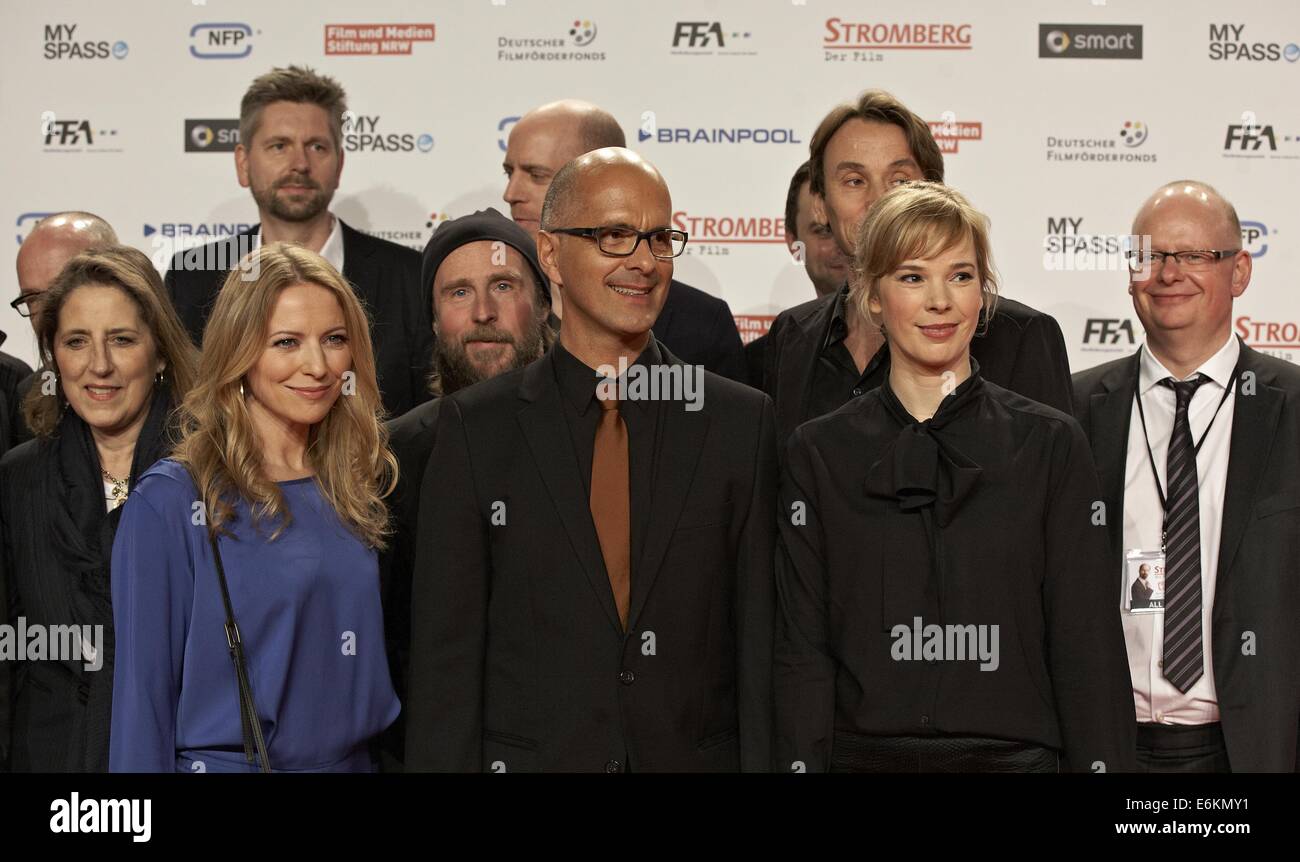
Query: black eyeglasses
{"x": 23, "y": 304}
{"x": 1196, "y": 259}
{"x": 665, "y": 243}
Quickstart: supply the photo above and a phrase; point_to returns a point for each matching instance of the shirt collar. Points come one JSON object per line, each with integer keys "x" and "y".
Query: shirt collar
{"x": 839, "y": 327}
{"x": 1218, "y": 367}
{"x": 332, "y": 250}
{"x": 578, "y": 381}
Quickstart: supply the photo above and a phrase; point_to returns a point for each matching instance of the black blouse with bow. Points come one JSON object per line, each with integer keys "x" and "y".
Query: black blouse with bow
{"x": 981, "y": 516}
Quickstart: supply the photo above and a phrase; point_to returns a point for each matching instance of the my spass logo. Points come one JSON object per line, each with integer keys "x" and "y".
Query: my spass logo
{"x": 362, "y": 134}
{"x": 1228, "y": 42}
{"x": 62, "y": 43}
{"x": 211, "y": 136}
{"x": 221, "y": 41}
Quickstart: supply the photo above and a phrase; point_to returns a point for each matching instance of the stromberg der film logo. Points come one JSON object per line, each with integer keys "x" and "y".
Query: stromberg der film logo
{"x": 867, "y": 41}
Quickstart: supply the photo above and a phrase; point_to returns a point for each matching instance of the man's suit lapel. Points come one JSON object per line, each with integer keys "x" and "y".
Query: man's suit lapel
{"x": 1255, "y": 419}
{"x": 676, "y": 460}
{"x": 547, "y": 431}
{"x": 794, "y": 387}
{"x": 1109, "y": 414}
{"x": 356, "y": 254}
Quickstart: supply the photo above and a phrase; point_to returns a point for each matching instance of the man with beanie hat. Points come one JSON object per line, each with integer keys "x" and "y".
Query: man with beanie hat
{"x": 491, "y": 302}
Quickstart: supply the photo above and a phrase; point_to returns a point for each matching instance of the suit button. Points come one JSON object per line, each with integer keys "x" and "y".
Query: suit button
{"x": 1160, "y": 664}
{"x": 925, "y": 719}
{"x": 613, "y": 766}
{"x": 857, "y": 390}
{"x": 627, "y": 677}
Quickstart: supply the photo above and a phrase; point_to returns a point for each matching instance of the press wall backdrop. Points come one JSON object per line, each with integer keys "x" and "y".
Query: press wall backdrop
{"x": 1057, "y": 119}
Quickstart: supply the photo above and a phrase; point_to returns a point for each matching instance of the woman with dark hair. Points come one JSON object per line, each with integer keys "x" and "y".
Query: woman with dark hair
{"x": 946, "y": 604}
{"x": 115, "y": 361}
{"x": 257, "y": 541}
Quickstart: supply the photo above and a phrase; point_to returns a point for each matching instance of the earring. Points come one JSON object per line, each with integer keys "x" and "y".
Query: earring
{"x": 241, "y": 390}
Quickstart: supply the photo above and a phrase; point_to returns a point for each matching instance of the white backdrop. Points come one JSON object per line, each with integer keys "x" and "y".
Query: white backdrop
{"x": 1058, "y": 145}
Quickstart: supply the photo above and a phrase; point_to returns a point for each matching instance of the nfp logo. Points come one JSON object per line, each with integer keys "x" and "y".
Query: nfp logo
{"x": 1090, "y": 41}
{"x": 1254, "y": 238}
{"x": 221, "y": 41}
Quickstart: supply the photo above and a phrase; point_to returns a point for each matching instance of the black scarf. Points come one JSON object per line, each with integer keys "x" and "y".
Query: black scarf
{"x": 81, "y": 535}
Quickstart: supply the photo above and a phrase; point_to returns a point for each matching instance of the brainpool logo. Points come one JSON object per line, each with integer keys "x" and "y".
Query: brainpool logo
{"x": 580, "y": 33}
{"x": 705, "y": 135}
{"x": 221, "y": 41}
{"x": 363, "y": 136}
{"x": 25, "y": 223}
{"x": 1090, "y": 41}
{"x": 211, "y": 136}
{"x": 61, "y": 43}
{"x": 203, "y": 231}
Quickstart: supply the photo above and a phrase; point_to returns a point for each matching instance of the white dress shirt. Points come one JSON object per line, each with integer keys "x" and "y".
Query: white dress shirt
{"x": 332, "y": 250}
{"x": 1155, "y": 698}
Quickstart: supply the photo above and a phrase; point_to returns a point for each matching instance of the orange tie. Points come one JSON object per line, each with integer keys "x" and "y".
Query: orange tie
{"x": 611, "y": 504}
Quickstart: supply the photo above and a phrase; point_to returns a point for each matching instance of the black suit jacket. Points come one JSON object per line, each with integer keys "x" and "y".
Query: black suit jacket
{"x": 1257, "y": 591}
{"x": 698, "y": 328}
{"x": 1022, "y": 350}
{"x": 411, "y": 438}
{"x": 755, "y": 356}
{"x": 518, "y": 659}
{"x": 13, "y": 374}
{"x": 386, "y": 278}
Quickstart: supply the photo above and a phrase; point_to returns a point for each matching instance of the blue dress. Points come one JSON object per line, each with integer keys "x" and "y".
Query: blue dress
{"x": 308, "y": 610}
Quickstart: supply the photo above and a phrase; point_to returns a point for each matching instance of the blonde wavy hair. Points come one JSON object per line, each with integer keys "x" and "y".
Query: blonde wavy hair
{"x": 130, "y": 271}
{"x": 919, "y": 220}
{"x": 348, "y": 449}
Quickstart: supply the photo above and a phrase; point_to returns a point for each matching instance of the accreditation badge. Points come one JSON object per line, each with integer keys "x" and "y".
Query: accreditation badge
{"x": 1144, "y": 582}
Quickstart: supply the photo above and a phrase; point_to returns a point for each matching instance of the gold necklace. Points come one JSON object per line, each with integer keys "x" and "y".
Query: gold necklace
{"x": 118, "y": 492}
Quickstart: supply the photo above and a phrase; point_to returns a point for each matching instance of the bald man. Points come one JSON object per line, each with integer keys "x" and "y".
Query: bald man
{"x": 697, "y": 327}
{"x": 1197, "y": 439}
{"x": 593, "y": 584}
{"x": 54, "y": 241}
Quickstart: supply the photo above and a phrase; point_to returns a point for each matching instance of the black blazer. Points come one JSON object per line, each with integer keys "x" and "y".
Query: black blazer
{"x": 518, "y": 660}
{"x": 755, "y": 356}
{"x": 698, "y": 328}
{"x": 411, "y": 438}
{"x": 1258, "y": 583}
{"x": 1021, "y": 350}
{"x": 386, "y": 278}
{"x": 14, "y": 373}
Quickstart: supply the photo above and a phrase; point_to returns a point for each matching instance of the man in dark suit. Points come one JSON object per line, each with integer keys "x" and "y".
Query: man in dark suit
{"x": 290, "y": 156}
{"x": 820, "y": 354}
{"x": 698, "y": 328}
{"x": 490, "y": 306}
{"x": 1140, "y": 592}
{"x": 812, "y": 243}
{"x": 593, "y": 584}
{"x": 1197, "y": 440}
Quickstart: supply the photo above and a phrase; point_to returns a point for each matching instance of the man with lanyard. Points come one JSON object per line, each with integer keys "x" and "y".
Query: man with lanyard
{"x": 1197, "y": 440}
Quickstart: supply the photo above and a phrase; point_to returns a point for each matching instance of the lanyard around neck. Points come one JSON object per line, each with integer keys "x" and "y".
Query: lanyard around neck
{"x": 1196, "y": 450}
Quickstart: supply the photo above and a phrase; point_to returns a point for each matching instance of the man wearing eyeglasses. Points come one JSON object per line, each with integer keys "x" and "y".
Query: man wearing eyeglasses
{"x": 53, "y": 241}
{"x": 593, "y": 584}
{"x": 696, "y": 326}
{"x": 1197, "y": 440}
